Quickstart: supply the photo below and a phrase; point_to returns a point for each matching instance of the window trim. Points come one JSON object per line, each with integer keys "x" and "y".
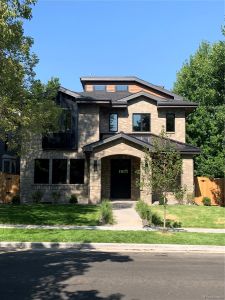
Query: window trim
{"x": 123, "y": 90}
{"x": 174, "y": 125}
{"x": 103, "y": 85}
{"x": 141, "y": 114}
{"x": 112, "y": 113}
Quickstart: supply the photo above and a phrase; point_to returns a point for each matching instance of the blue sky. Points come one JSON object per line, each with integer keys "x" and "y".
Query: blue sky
{"x": 148, "y": 39}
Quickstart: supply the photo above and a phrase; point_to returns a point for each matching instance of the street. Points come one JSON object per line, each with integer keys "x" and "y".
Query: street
{"x": 113, "y": 276}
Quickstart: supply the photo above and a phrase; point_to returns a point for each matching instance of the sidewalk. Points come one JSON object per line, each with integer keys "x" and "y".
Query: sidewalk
{"x": 111, "y": 227}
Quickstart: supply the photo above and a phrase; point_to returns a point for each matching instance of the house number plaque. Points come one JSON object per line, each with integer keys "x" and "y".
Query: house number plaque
{"x": 125, "y": 171}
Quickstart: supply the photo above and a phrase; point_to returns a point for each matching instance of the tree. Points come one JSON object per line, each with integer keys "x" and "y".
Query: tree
{"x": 161, "y": 170}
{"x": 201, "y": 79}
{"x": 26, "y": 105}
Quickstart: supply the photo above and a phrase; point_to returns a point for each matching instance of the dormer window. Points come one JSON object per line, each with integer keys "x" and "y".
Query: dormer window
{"x": 99, "y": 88}
{"x": 122, "y": 88}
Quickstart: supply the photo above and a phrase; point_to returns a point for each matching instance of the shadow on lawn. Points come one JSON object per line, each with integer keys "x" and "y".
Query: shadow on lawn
{"x": 54, "y": 275}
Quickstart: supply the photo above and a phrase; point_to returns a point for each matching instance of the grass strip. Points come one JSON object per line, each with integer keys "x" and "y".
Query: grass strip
{"x": 97, "y": 236}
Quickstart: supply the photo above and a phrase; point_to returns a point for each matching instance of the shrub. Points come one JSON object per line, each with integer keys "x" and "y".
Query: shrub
{"x": 180, "y": 193}
{"x": 156, "y": 220}
{"x": 206, "y": 201}
{"x": 144, "y": 211}
{"x": 56, "y": 196}
{"x": 73, "y": 199}
{"x": 106, "y": 213}
{"x": 37, "y": 196}
{"x": 16, "y": 199}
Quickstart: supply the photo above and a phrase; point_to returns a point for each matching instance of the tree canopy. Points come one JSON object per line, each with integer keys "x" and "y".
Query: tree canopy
{"x": 26, "y": 105}
{"x": 201, "y": 79}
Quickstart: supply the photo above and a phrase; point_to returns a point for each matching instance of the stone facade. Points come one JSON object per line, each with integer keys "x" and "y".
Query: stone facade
{"x": 158, "y": 118}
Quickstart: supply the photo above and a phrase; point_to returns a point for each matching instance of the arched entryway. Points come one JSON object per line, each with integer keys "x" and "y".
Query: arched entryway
{"x": 119, "y": 177}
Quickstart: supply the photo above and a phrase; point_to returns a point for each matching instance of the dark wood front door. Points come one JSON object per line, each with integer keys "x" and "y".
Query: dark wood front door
{"x": 120, "y": 178}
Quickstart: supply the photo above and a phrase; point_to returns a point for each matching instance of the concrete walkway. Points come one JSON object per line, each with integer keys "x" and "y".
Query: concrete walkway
{"x": 125, "y": 215}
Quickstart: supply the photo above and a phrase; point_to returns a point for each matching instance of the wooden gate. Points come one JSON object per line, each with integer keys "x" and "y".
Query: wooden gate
{"x": 9, "y": 186}
{"x": 211, "y": 188}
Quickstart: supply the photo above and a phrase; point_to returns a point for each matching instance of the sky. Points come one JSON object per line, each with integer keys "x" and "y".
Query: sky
{"x": 147, "y": 39}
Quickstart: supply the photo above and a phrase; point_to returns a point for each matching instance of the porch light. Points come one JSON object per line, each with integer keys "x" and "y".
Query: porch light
{"x": 95, "y": 165}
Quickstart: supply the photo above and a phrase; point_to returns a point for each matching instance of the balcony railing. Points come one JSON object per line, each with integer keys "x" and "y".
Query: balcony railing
{"x": 59, "y": 140}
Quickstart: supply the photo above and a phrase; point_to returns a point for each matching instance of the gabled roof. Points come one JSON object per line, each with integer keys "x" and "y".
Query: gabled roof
{"x": 130, "y": 79}
{"x": 143, "y": 140}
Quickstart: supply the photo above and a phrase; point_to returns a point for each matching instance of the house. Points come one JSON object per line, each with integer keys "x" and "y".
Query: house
{"x": 9, "y": 161}
{"x": 104, "y": 131}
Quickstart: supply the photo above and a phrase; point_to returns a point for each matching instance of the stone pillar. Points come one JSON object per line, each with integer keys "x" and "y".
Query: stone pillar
{"x": 95, "y": 180}
{"x": 187, "y": 177}
{"x": 145, "y": 194}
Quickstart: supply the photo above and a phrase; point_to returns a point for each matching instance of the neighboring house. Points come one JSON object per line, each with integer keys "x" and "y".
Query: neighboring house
{"x": 104, "y": 131}
{"x": 9, "y": 161}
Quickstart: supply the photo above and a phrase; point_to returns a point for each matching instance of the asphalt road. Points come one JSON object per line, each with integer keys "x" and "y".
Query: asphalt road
{"x": 92, "y": 275}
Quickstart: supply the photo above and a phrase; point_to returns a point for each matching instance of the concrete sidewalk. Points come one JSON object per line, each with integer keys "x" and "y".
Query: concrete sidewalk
{"x": 110, "y": 247}
{"x": 111, "y": 227}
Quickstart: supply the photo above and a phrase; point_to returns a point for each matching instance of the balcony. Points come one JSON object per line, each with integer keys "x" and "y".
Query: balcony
{"x": 59, "y": 140}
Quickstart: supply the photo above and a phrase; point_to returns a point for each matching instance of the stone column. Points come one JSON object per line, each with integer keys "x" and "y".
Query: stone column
{"x": 95, "y": 180}
{"x": 187, "y": 177}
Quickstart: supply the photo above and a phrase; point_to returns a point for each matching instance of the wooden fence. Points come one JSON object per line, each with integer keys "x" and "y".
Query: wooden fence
{"x": 212, "y": 188}
{"x": 9, "y": 186}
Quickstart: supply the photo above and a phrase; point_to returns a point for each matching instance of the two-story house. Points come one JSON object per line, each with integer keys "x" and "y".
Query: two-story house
{"x": 105, "y": 130}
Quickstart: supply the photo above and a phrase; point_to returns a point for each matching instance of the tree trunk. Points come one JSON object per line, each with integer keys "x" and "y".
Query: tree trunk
{"x": 164, "y": 214}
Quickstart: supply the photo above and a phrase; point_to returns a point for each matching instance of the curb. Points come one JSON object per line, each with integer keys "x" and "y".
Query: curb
{"x": 111, "y": 247}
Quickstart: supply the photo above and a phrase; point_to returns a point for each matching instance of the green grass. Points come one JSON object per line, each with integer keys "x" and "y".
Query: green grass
{"x": 195, "y": 216}
{"x": 48, "y": 214}
{"x": 99, "y": 236}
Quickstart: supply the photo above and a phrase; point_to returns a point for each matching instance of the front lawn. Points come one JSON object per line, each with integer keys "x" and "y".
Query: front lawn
{"x": 48, "y": 214}
{"x": 194, "y": 216}
{"x": 99, "y": 236}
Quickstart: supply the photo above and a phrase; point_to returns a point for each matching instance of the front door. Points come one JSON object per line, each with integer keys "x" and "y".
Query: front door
{"x": 120, "y": 178}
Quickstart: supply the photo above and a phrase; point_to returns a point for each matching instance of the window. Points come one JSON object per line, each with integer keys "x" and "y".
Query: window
{"x": 66, "y": 120}
{"x": 98, "y": 88}
{"x": 170, "y": 122}
{"x": 141, "y": 122}
{"x": 113, "y": 122}
{"x": 59, "y": 171}
{"x": 77, "y": 171}
{"x": 41, "y": 171}
{"x": 121, "y": 88}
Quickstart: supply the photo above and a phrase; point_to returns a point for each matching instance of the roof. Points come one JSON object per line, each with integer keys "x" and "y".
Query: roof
{"x": 143, "y": 140}
{"x": 121, "y": 99}
{"x": 129, "y": 79}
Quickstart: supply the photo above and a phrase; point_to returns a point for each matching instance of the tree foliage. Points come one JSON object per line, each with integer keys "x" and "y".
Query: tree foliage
{"x": 201, "y": 79}
{"x": 26, "y": 105}
{"x": 161, "y": 169}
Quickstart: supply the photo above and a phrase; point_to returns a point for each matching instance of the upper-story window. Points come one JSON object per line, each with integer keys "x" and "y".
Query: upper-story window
{"x": 141, "y": 122}
{"x": 66, "y": 120}
{"x": 121, "y": 88}
{"x": 98, "y": 87}
{"x": 113, "y": 122}
{"x": 170, "y": 122}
